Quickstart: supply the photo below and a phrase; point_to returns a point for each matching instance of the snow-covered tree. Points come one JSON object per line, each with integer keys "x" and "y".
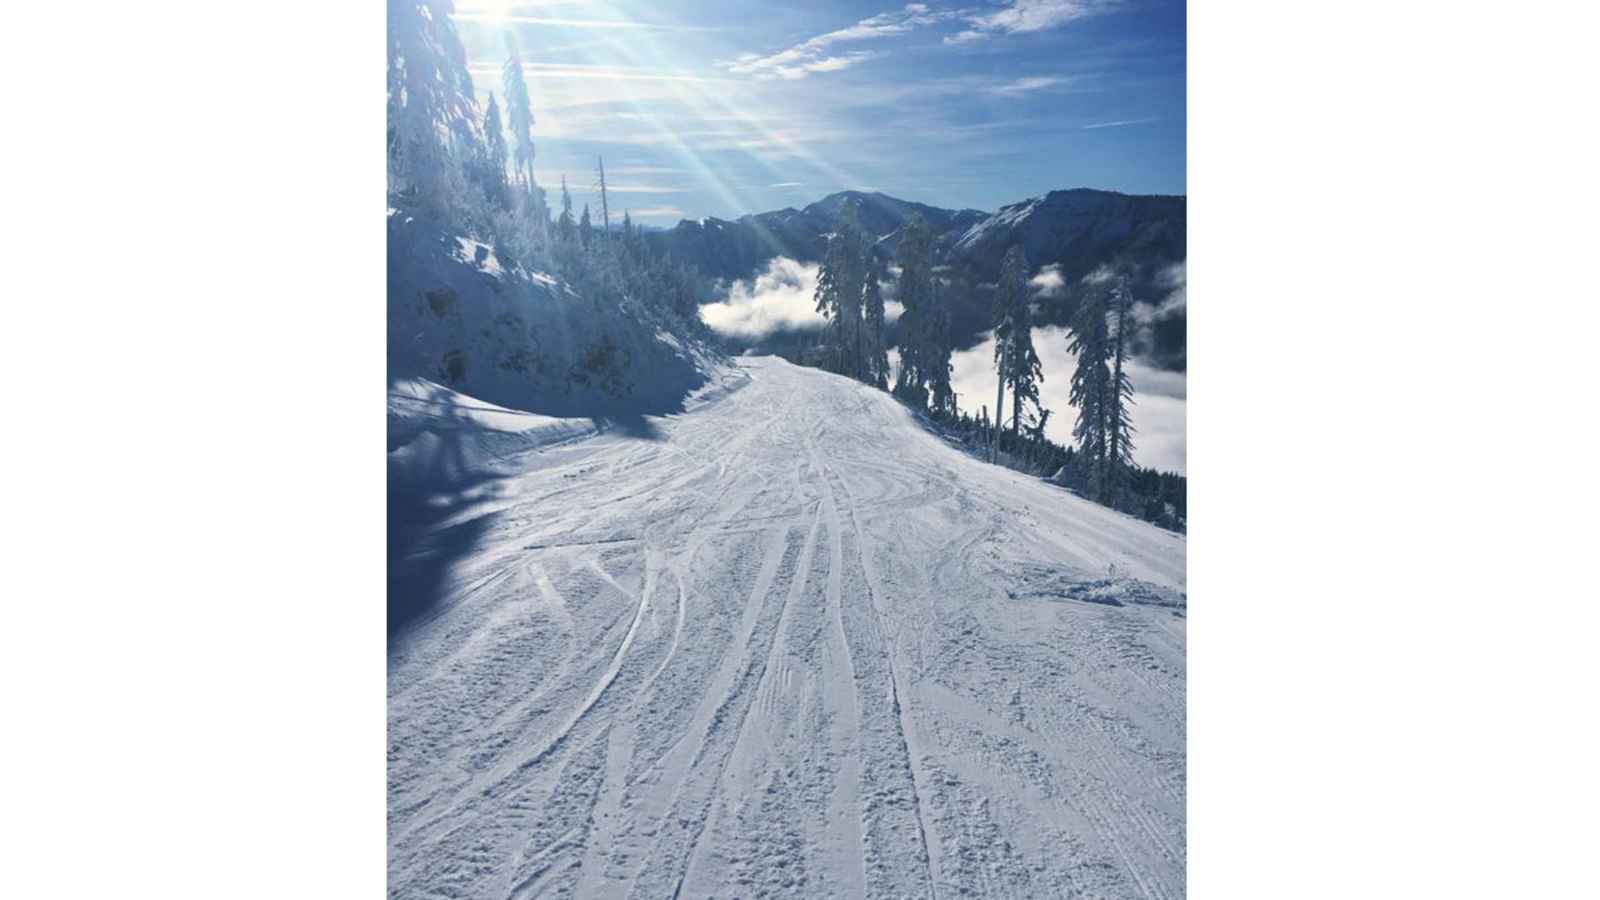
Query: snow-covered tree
{"x": 875, "y": 354}
{"x": 519, "y": 114}
{"x": 565, "y": 228}
{"x": 605, "y": 205}
{"x": 1119, "y": 418}
{"x": 428, "y": 110}
{"x": 936, "y": 355}
{"x": 915, "y": 292}
{"x": 1090, "y": 390}
{"x": 494, "y": 134}
{"x": 839, "y": 293}
{"x": 1013, "y": 331}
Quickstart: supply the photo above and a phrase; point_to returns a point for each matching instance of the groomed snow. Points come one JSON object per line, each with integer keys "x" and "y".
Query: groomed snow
{"x": 787, "y": 643}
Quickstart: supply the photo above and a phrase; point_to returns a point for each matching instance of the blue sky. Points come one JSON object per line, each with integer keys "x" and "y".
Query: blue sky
{"x": 709, "y": 107}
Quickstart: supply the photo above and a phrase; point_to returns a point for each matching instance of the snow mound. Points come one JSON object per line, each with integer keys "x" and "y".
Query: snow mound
{"x": 438, "y": 436}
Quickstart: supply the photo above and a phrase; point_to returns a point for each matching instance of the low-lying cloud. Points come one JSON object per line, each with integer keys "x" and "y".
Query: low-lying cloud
{"x": 1049, "y": 282}
{"x": 1159, "y": 404}
{"x": 1174, "y": 279}
{"x": 781, "y": 299}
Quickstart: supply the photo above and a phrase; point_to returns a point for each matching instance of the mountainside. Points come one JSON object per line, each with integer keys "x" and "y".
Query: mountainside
{"x": 738, "y": 249}
{"x": 1080, "y": 229}
{"x": 1075, "y": 232}
{"x": 787, "y": 643}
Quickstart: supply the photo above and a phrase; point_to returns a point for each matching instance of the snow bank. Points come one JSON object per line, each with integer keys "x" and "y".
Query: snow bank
{"x": 461, "y": 316}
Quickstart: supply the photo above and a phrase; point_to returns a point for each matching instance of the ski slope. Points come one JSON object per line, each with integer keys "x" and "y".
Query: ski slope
{"x": 788, "y": 643}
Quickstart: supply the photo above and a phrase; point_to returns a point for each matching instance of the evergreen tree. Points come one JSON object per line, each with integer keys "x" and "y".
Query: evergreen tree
{"x": 936, "y": 354}
{"x": 427, "y": 109}
{"x": 495, "y": 141}
{"x": 839, "y": 294}
{"x": 565, "y": 229}
{"x": 605, "y": 207}
{"x": 519, "y": 112}
{"x": 519, "y": 115}
{"x": 1119, "y": 420}
{"x": 1014, "y": 335}
{"x": 915, "y": 292}
{"x": 873, "y": 349}
{"x": 1091, "y": 387}
{"x": 585, "y": 229}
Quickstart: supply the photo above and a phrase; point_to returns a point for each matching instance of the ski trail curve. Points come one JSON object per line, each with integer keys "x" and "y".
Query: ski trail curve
{"x": 791, "y": 644}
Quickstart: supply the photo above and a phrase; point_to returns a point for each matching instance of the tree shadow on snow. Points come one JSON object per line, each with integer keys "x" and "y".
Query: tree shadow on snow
{"x": 428, "y": 534}
{"x": 436, "y": 493}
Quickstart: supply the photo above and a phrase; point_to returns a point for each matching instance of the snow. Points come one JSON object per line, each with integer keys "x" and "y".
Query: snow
{"x": 1008, "y": 217}
{"x": 783, "y": 643}
{"x": 522, "y": 338}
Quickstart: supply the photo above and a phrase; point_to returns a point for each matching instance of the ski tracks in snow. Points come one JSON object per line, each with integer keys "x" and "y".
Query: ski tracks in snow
{"x": 792, "y": 645}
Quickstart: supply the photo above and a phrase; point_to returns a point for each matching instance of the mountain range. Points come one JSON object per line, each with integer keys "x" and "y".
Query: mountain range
{"x": 1067, "y": 236}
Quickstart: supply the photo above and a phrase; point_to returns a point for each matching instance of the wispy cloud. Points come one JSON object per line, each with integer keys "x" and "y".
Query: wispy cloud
{"x": 642, "y": 189}
{"x": 648, "y": 170}
{"x": 786, "y": 184}
{"x": 1023, "y": 16}
{"x": 512, "y": 12}
{"x": 1122, "y": 123}
{"x": 491, "y": 70}
{"x": 581, "y": 181}
{"x": 1025, "y": 85}
{"x": 812, "y": 55}
{"x": 655, "y": 212}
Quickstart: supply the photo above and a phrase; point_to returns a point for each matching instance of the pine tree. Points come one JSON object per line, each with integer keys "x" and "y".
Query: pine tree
{"x": 564, "y": 225}
{"x": 428, "y": 111}
{"x": 585, "y": 229}
{"x": 519, "y": 112}
{"x": 495, "y": 140}
{"x": 936, "y": 354}
{"x": 1119, "y": 419}
{"x": 915, "y": 291}
{"x": 1090, "y": 390}
{"x": 839, "y": 294}
{"x": 874, "y": 351}
{"x": 605, "y": 208}
{"x": 1014, "y": 335}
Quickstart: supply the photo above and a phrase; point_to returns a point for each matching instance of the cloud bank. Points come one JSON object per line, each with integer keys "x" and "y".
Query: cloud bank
{"x": 1160, "y": 402}
{"x": 1173, "y": 279}
{"x": 782, "y": 298}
